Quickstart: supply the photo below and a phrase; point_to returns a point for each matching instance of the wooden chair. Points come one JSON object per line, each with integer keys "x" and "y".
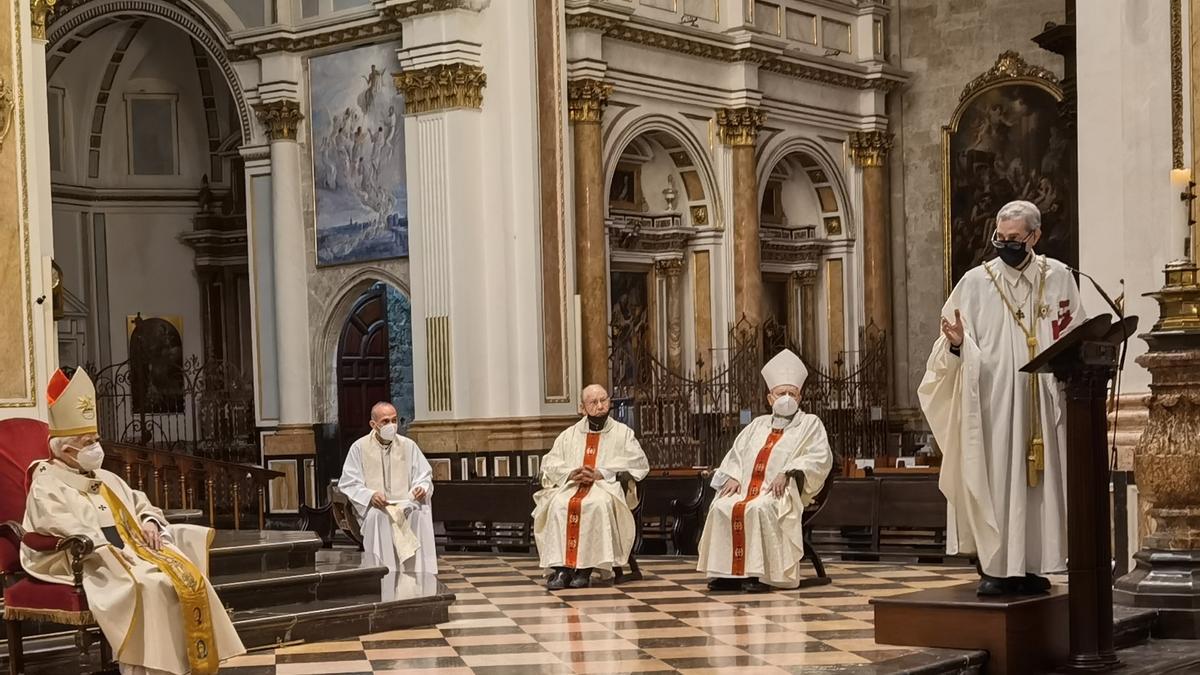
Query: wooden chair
{"x": 25, "y": 598}
{"x": 344, "y": 514}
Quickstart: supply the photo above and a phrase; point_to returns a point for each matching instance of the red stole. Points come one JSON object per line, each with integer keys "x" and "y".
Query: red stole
{"x": 575, "y": 506}
{"x": 739, "y": 509}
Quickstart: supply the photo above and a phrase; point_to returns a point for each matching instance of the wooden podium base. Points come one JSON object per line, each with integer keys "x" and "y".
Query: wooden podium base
{"x": 1022, "y": 634}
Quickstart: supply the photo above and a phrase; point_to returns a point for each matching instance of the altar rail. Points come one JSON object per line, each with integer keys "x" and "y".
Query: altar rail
{"x": 230, "y": 494}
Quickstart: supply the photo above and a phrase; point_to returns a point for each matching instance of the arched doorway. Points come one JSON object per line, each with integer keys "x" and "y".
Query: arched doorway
{"x": 374, "y": 361}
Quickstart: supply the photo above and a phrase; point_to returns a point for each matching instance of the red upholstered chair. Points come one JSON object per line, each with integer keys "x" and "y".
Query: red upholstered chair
{"x": 27, "y": 599}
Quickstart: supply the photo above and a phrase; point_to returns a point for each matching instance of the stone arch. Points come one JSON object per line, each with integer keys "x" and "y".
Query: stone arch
{"x": 777, "y": 152}
{"x": 659, "y": 126}
{"x": 325, "y": 353}
{"x": 196, "y": 20}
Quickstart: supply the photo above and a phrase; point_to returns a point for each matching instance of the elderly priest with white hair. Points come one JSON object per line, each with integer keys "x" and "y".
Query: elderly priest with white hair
{"x": 583, "y": 517}
{"x": 390, "y": 483}
{"x": 1001, "y": 431}
{"x": 145, "y": 579}
{"x": 752, "y": 538}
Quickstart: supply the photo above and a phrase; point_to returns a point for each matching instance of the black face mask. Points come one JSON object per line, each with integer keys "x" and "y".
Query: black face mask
{"x": 596, "y": 422}
{"x": 1013, "y": 253}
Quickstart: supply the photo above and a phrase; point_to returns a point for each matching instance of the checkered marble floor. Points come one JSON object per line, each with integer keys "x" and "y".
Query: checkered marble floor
{"x": 504, "y": 621}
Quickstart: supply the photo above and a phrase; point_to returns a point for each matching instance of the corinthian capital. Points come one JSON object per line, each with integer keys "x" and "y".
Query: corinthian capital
{"x": 739, "y": 126}
{"x": 281, "y": 118}
{"x": 870, "y": 148}
{"x": 445, "y": 86}
{"x": 586, "y": 99}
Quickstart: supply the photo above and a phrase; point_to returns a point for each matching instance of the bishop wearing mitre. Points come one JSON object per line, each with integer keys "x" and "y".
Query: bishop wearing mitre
{"x": 752, "y": 539}
{"x": 145, "y": 579}
{"x": 1001, "y": 431}
{"x": 583, "y": 517}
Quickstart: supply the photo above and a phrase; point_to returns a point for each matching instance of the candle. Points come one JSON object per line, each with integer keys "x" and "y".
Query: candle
{"x": 1180, "y": 178}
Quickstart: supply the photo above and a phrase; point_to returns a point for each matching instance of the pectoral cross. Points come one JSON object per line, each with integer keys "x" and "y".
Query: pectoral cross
{"x": 1020, "y": 315}
{"x": 102, "y": 507}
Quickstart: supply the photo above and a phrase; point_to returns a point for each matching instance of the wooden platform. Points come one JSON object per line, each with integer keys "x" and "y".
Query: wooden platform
{"x": 1022, "y": 634}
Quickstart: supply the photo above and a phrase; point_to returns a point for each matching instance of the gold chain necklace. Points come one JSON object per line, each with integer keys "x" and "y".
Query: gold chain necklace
{"x": 1036, "y": 458}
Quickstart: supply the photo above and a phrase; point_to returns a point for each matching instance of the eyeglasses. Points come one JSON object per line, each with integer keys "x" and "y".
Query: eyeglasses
{"x": 1011, "y": 244}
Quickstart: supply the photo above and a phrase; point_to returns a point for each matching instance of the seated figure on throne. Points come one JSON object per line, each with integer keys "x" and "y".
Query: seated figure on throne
{"x": 145, "y": 580}
{"x": 777, "y": 465}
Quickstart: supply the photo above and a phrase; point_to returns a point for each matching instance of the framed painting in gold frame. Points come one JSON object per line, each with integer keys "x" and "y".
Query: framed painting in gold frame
{"x": 1007, "y": 140}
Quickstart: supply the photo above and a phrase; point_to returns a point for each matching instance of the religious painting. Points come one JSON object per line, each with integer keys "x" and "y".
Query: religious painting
{"x": 156, "y": 375}
{"x": 441, "y": 468}
{"x": 625, "y": 191}
{"x": 1007, "y": 141}
{"x": 629, "y": 324}
{"x": 357, "y": 139}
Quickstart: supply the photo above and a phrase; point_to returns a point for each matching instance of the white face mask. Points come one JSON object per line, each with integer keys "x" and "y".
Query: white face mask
{"x": 90, "y": 458}
{"x": 785, "y": 406}
{"x": 387, "y": 432}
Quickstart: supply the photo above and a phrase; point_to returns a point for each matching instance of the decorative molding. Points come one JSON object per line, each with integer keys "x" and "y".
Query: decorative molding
{"x": 739, "y": 126}
{"x": 281, "y": 118}
{"x": 1177, "y": 161}
{"x": 670, "y": 267}
{"x": 39, "y": 13}
{"x": 407, "y": 10}
{"x": 7, "y": 110}
{"x": 442, "y": 87}
{"x": 1009, "y": 66}
{"x": 586, "y": 99}
{"x": 806, "y": 277}
{"x": 870, "y": 148}
{"x": 699, "y": 216}
{"x": 381, "y": 28}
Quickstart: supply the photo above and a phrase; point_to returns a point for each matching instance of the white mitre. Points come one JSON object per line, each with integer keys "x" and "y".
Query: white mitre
{"x": 785, "y": 368}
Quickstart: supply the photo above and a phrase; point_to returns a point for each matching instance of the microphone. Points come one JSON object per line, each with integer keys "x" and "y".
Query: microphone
{"x": 1099, "y": 289}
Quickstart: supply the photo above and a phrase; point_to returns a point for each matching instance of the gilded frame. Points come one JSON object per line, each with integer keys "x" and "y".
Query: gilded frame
{"x": 1009, "y": 70}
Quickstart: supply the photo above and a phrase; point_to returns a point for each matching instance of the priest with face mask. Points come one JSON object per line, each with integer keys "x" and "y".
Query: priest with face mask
{"x": 752, "y": 538}
{"x": 145, "y": 579}
{"x": 1001, "y": 431}
{"x": 583, "y": 517}
{"x": 390, "y": 483}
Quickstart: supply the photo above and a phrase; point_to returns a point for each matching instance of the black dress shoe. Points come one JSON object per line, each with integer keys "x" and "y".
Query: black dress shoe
{"x": 559, "y": 579}
{"x": 753, "y": 585}
{"x": 1031, "y": 584}
{"x": 723, "y": 584}
{"x": 582, "y": 578}
{"x": 990, "y": 586}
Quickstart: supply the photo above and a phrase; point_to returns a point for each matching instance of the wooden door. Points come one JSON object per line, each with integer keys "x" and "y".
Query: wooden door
{"x": 362, "y": 366}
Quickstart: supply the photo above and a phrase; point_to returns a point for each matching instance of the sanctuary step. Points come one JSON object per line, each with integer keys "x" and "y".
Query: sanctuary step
{"x": 282, "y": 587}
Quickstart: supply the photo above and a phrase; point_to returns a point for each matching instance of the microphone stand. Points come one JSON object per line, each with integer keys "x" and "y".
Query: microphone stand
{"x": 1115, "y": 398}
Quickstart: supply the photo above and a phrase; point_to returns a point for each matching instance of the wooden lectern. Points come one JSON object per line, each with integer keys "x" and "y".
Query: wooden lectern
{"x": 1085, "y": 360}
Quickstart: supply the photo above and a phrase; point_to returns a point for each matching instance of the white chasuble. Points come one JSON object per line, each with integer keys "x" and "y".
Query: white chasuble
{"x": 979, "y": 408}
{"x": 400, "y": 536}
{"x": 137, "y": 596}
{"x": 592, "y": 526}
{"x": 753, "y": 533}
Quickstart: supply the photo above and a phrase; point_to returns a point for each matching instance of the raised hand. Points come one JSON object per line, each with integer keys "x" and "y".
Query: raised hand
{"x": 953, "y": 331}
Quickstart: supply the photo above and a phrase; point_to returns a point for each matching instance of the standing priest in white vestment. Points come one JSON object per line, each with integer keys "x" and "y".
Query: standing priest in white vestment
{"x": 752, "y": 538}
{"x": 1001, "y": 432}
{"x": 145, "y": 579}
{"x": 582, "y": 518}
{"x": 390, "y": 484}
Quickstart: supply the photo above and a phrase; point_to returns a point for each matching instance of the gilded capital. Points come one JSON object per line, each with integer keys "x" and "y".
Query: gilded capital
{"x": 870, "y": 148}
{"x": 445, "y": 86}
{"x": 586, "y": 99}
{"x": 40, "y": 15}
{"x": 281, "y": 118}
{"x": 805, "y": 277}
{"x": 671, "y": 267}
{"x": 739, "y": 126}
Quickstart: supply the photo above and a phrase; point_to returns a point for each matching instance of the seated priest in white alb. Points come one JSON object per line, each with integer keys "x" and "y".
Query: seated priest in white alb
{"x": 583, "y": 517}
{"x": 390, "y": 484}
{"x": 752, "y": 538}
{"x": 145, "y": 579}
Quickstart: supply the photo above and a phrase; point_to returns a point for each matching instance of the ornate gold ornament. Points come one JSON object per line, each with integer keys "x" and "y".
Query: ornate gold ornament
{"x": 671, "y": 267}
{"x": 442, "y": 87}
{"x": 39, "y": 11}
{"x": 7, "y": 108}
{"x": 870, "y": 148}
{"x": 1009, "y": 67}
{"x": 699, "y": 215}
{"x": 739, "y": 126}
{"x": 281, "y": 118}
{"x": 1176, "y": 84}
{"x": 586, "y": 99}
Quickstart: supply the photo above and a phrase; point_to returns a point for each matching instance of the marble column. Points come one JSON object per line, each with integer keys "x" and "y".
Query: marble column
{"x": 672, "y": 270}
{"x": 281, "y": 118}
{"x": 739, "y": 130}
{"x": 586, "y": 99}
{"x": 868, "y": 150}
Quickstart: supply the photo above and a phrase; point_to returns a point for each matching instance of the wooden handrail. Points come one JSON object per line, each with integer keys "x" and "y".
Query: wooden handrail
{"x": 177, "y": 480}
